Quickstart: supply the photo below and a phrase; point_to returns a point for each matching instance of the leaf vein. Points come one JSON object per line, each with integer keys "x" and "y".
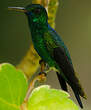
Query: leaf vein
{"x": 7, "y": 103}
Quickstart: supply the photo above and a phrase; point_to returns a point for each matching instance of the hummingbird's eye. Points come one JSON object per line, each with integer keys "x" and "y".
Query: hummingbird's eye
{"x": 37, "y": 11}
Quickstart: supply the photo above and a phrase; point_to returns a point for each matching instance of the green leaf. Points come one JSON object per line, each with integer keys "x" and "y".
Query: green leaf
{"x": 44, "y": 98}
{"x": 13, "y": 87}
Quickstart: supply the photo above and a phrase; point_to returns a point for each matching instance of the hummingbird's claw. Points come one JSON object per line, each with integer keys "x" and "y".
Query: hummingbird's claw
{"x": 45, "y": 74}
{"x": 42, "y": 76}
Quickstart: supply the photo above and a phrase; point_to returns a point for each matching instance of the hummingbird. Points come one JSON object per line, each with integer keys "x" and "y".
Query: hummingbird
{"x": 51, "y": 48}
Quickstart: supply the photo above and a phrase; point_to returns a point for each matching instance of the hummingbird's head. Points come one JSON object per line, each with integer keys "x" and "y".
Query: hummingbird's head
{"x": 35, "y": 12}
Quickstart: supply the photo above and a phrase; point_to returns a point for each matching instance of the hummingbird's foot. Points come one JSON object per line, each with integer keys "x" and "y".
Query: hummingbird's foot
{"x": 43, "y": 65}
{"x": 42, "y": 77}
{"x": 45, "y": 74}
{"x": 42, "y": 74}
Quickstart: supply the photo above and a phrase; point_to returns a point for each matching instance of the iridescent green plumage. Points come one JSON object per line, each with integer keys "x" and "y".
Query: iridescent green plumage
{"x": 52, "y": 49}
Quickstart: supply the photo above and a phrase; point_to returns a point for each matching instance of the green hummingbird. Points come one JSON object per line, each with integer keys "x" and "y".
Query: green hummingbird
{"x": 51, "y": 48}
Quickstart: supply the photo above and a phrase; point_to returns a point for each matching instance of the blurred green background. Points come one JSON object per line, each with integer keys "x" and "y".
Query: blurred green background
{"x": 73, "y": 23}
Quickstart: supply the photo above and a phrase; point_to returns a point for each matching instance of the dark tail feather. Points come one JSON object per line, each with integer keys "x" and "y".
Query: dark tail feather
{"x": 62, "y": 82}
{"x": 64, "y": 87}
{"x": 78, "y": 98}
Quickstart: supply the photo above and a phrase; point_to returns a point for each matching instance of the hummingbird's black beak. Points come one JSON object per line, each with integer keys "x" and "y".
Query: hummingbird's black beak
{"x": 19, "y": 9}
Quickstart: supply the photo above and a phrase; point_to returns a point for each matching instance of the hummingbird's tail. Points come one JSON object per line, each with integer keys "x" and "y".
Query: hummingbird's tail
{"x": 62, "y": 82}
{"x": 77, "y": 95}
{"x": 76, "y": 87}
{"x": 78, "y": 91}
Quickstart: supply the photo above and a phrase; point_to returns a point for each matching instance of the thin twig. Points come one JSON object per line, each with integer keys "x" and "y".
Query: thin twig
{"x": 39, "y": 78}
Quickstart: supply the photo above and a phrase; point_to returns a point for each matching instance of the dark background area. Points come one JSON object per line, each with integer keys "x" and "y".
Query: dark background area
{"x": 73, "y": 23}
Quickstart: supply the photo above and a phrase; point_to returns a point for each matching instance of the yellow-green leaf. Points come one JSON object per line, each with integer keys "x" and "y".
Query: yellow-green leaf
{"x": 44, "y": 98}
{"x": 13, "y": 87}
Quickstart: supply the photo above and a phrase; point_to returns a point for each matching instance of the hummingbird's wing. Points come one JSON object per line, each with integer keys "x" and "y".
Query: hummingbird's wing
{"x": 69, "y": 73}
{"x": 60, "y": 54}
